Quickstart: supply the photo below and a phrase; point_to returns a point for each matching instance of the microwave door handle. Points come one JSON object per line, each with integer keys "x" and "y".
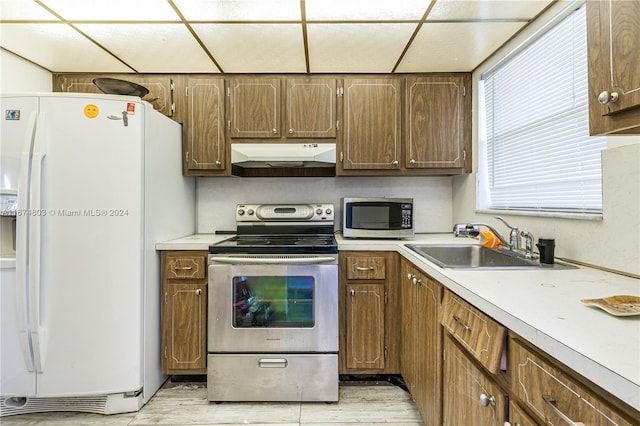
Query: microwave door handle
{"x": 272, "y": 260}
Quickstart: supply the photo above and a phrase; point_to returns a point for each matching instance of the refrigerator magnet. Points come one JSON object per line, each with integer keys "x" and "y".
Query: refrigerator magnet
{"x": 91, "y": 111}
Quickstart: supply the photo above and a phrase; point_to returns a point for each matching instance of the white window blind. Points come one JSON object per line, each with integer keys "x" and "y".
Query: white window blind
{"x": 535, "y": 150}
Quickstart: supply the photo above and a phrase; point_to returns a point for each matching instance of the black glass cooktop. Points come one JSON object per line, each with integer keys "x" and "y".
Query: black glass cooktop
{"x": 258, "y": 244}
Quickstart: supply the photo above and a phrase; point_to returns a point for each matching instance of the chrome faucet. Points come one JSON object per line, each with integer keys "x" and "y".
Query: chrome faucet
{"x": 514, "y": 235}
{"x": 471, "y": 230}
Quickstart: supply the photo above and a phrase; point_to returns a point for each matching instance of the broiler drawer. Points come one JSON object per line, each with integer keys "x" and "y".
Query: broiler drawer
{"x": 272, "y": 377}
{"x": 552, "y": 395}
{"x": 479, "y": 334}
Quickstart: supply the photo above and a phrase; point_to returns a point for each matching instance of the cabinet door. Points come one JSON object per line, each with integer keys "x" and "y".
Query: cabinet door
{"x": 365, "y": 326}
{"x": 311, "y": 108}
{"x": 184, "y": 327}
{"x": 372, "y": 124}
{"x": 469, "y": 397}
{"x": 254, "y": 106}
{"x": 613, "y": 32}
{"x": 517, "y": 416}
{"x": 160, "y": 88}
{"x": 409, "y": 332}
{"x": 436, "y": 122}
{"x": 205, "y": 147}
{"x": 422, "y": 337}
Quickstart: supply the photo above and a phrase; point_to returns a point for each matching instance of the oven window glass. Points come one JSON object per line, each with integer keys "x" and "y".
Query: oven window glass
{"x": 273, "y": 301}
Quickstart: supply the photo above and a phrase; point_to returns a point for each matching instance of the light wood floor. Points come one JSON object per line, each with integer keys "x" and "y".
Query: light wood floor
{"x": 186, "y": 404}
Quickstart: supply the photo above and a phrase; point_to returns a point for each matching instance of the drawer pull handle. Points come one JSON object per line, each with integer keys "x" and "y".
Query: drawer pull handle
{"x": 360, "y": 268}
{"x": 486, "y": 400}
{"x": 272, "y": 363}
{"x": 183, "y": 268}
{"x": 461, "y": 323}
{"x": 552, "y": 404}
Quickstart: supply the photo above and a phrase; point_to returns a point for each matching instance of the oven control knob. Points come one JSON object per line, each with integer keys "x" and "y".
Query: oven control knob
{"x": 319, "y": 211}
{"x": 328, "y": 211}
{"x": 241, "y": 212}
{"x": 250, "y": 212}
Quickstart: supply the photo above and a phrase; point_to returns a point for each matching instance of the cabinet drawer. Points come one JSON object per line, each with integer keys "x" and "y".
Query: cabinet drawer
{"x": 480, "y": 335}
{"x": 180, "y": 267}
{"x": 366, "y": 268}
{"x": 552, "y": 395}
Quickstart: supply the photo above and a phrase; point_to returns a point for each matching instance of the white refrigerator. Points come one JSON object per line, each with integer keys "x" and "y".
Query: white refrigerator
{"x": 88, "y": 185}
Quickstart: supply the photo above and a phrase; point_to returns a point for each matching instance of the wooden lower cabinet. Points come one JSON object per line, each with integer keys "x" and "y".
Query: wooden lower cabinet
{"x": 421, "y": 364}
{"x": 555, "y": 396}
{"x": 368, "y": 301}
{"x": 470, "y": 397}
{"x": 184, "y": 312}
{"x": 518, "y": 417}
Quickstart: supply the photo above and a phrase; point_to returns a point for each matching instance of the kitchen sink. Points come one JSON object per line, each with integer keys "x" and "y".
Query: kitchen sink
{"x": 452, "y": 256}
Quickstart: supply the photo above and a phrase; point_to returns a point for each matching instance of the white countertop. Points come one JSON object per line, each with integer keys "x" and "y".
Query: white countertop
{"x": 543, "y": 306}
{"x": 192, "y": 242}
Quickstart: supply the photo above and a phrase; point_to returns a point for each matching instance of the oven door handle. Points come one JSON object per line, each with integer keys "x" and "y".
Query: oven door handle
{"x": 273, "y": 260}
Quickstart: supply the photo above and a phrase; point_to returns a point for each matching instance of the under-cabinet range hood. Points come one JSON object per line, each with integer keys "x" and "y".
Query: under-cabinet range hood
{"x": 283, "y": 159}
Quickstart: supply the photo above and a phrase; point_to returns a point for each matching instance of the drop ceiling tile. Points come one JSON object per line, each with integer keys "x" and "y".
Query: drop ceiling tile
{"x": 356, "y": 47}
{"x": 152, "y": 47}
{"x": 260, "y": 48}
{"x": 23, "y": 11}
{"x": 454, "y": 46}
{"x": 358, "y": 10}
{"x": 486, "y": 9}
{"x": 113, "y": 10}
{"x": 240, "y": 10}
{"x": 58, "y": 48}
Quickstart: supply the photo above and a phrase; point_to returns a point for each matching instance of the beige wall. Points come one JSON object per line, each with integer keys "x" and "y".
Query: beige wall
{"x": 614, "y": 241}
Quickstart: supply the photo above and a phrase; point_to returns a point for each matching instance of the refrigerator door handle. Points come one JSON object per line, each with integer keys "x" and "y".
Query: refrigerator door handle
{"x": 38, "y": 330}
{"x": 22, "y": 246}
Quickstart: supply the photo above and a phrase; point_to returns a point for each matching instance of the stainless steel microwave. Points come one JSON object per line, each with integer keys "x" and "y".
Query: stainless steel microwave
{"x": 377, "y": 217}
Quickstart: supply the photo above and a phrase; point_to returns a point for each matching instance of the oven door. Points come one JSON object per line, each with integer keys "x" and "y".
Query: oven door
{"x": 282, "y": 305}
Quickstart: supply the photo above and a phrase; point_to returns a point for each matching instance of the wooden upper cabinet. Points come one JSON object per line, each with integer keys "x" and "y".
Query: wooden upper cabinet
{"x": 254, "y": 108}
{"x": 160, "y": 88}
{"x": 437, "y": 124}
{"x": 205, "y": 147}
{"x": 372, "y": 124}
{"x": 613, "y": 39}
{"x": 311, "y": 108}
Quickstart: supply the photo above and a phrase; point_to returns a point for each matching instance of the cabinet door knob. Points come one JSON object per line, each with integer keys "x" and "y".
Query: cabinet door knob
{"x": 606, "y": 97}
{"x": 486, "y": 400}
{"x": 412, "y": 161}
{"x": 275, "y": 131}
{"x": 291, "y": 131}
{"x": 218, "y": 163}
{"x": 394, "y": 162}
{"x": 198, "y": 292}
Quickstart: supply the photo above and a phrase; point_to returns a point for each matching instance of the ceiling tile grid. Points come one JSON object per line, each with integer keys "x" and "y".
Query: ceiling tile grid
{"x": 261, "y": 36}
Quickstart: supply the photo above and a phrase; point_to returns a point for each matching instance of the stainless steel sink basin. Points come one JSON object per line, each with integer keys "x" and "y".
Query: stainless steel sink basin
{"x": 453, "y": 256}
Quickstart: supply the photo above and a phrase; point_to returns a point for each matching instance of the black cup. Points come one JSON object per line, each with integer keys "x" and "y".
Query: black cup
{"x": 546, "y": 247}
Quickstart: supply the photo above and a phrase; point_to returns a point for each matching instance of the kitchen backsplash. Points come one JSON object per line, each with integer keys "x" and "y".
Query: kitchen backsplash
{"x": 217, "y": 197}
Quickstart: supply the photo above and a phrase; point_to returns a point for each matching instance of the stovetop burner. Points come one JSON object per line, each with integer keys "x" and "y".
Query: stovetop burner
{"x": 276, "y": 244}
{"x": 281, "y": 229}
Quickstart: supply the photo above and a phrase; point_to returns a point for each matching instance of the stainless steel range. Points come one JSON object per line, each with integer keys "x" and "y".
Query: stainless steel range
{"x": 273, "y": 306}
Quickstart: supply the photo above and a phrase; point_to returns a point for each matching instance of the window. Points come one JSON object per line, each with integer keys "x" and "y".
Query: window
{"x": 535, "y": 152}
